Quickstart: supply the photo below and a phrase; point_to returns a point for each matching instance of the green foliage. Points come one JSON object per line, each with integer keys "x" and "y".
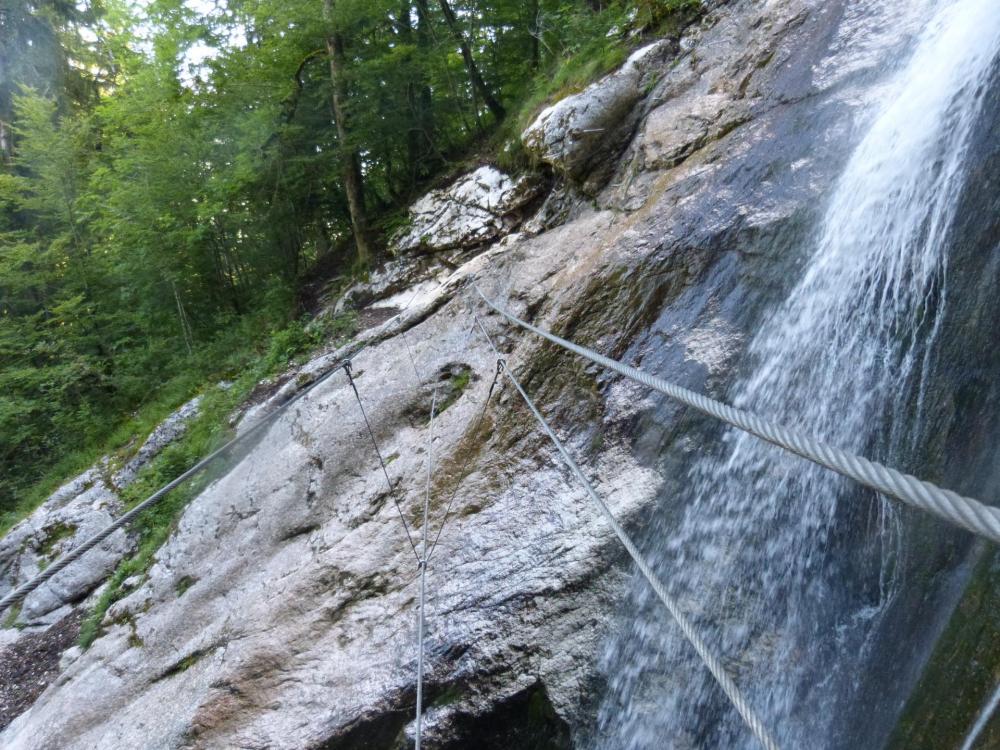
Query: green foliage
{"x": 165, "y": 219}
{"x": 10, "y": 621}
{"x": 454, "y": 389}
{"x": 187, "y": 662}
{"x": 302, "y": 335}
{"x": 55, "y": 535}
{"x": 287, "y": 343}
{"x": 184, "y": 583}
{"x": 665, "y": 16}
{"x": 581, "y": 46}
{"x": 39, "y": 42}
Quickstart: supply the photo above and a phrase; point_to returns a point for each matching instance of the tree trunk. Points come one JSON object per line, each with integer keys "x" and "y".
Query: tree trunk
{"x": 426, "y": 101}
{"x": 534, "y": 32}
{"x": 414, "y": 137}
{"x": 351, "y": 169}
{"x": 425, "y": 27}
{"x": 6, "y": 142}
{"x": 470, "y": 64}
{"x": 182, "y": 317}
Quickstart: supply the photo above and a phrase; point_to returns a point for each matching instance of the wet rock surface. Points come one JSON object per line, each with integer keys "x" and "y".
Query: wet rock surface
{"x": 965, "y": 662}
{"x": 282, "y": 611}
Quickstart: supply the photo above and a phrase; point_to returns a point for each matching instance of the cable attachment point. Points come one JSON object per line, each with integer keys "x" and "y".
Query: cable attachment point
{"x": 347, "y": 366}
{"x": 501, "y": 366}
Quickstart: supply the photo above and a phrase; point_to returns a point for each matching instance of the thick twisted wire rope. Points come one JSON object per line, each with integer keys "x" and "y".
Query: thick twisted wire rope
{"x": 381, "y": 461}
{"x": 966, "y": 512}
{"x": 20, "y": 593}
{"x": 726, "y": 682}
{"x": 423, "y": 576}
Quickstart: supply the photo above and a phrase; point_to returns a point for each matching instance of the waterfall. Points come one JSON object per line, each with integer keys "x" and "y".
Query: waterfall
{"x": 786, "y": 568}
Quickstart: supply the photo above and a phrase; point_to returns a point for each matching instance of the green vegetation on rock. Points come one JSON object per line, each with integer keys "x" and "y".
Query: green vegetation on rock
{"x": 175, "y": 196}
{"x": 208, "y": 431}
{"x": 962, "y": 673}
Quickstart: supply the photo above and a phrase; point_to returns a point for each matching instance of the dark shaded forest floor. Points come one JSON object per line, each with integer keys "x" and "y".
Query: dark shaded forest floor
{"x": 28, "y": 666}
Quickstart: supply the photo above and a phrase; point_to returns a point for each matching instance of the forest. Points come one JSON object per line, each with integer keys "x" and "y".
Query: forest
{"x": 181, "y": 181}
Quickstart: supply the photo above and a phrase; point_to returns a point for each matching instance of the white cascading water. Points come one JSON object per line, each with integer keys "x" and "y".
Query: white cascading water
{"x": 786, "y": 568}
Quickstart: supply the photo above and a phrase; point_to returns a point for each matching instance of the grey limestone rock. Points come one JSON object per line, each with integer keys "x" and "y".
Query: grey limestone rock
{"x": 282, "y": 611}
{"x": 77, "y": 510}
{"x": 583, "y": 133}
{"x": 477, "y": 208}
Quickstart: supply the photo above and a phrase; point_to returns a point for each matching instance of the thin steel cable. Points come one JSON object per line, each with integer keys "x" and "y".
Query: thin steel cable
{"x": 970, "y": 514}
{"x": 409, "y": 352}
{"x": 465, "y": 464}
{"x": 20, "y": 593}
{"x": 726, "y": 682}
{"x": 423, "y": 575}
{"x": 378, "y": 452}
{"x": 406, "y": 341}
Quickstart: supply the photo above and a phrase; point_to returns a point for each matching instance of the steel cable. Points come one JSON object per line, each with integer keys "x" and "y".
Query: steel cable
{"x": 21, "y": 592}
{"x": 966, "y": 512}
{"x": 378, "y": 452}
{"x": 714, "y": 666}
{"x": 423, "y": 575}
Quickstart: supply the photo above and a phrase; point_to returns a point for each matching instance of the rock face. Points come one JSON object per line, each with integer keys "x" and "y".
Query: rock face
{"x": 282, "y": 611}
{"x": 74, "y": 512}
{"x": 78, "y": 511}
{"x": 581, "y": 135}
{"x": 395, "y": 284}
{"x": 165, "y": 433}
{"x": 478, "y": 208}
{"x": 296, "y": 561}
{"x": 447, "y": 227}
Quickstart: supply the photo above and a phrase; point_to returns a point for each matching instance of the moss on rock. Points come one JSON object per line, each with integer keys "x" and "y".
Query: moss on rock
{"x": 962, "y": 673}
